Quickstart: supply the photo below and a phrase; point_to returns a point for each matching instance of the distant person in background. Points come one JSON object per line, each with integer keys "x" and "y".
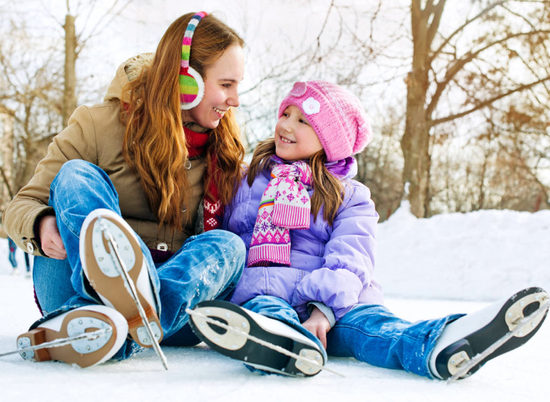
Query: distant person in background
{"x": 12, "y": 249}
{"x": 27, "y": 264}
{"x": 13, "y": 260}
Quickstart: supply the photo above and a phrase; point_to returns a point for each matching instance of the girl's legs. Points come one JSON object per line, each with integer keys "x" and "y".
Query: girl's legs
{"x": 437, "y": 348}
{"x": 278, "y": 309}
{"x": 372, "y": 334}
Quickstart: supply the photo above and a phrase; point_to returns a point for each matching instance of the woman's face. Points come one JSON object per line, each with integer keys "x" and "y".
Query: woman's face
{"x": 221, "y": 82}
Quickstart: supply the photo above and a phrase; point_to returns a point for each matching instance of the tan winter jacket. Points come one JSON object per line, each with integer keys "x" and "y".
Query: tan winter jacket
{"x": 95, "y": 134}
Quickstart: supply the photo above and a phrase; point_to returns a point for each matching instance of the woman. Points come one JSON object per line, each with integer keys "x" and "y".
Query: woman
{"x": 152, "y": 166}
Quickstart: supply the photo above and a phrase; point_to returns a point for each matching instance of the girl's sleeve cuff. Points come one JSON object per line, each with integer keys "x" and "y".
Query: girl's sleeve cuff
{"x": 327, "y": 311}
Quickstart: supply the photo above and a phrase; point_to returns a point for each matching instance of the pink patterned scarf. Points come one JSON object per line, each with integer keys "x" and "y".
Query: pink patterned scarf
{"x": 285, "y": 205}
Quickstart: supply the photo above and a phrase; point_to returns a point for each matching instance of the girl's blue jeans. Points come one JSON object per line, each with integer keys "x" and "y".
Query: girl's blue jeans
{"x": 369, "y": 333}
{"x": 207, "y": 266}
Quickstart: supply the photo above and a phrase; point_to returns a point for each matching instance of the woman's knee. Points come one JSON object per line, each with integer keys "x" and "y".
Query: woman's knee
{"x": 81, "y": 180}
{"x": 229, "y": 242}
{"x": 75, "y": 171}
{"x": 75, "y": 166}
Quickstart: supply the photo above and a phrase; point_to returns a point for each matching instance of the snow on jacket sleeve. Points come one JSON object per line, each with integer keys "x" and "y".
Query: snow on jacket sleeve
{"x": 348, "y": 264}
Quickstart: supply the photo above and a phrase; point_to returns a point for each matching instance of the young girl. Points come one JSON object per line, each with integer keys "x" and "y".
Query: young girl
{"x": 310, "y": 235}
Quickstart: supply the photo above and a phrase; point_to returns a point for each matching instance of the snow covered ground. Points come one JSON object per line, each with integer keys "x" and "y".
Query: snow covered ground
{"x": 429, "y": 268}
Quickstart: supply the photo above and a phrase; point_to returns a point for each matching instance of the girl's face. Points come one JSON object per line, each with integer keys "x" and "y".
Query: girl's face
{"x": 221, "y": 82}
{"x": 295, "y": 139}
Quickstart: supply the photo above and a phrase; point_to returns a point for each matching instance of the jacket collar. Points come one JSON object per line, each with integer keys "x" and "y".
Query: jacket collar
{"x": 342, "y": 169}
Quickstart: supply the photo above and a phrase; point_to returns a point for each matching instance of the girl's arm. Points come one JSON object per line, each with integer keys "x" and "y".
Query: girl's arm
{"x": 318, "y": 324}
{"x": 348, "y": 256}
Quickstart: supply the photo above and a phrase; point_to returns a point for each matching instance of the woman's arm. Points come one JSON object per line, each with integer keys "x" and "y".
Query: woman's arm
{"x": 25, "y": 214}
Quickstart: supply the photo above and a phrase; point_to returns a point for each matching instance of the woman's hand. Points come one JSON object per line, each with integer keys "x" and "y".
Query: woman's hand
{"x": 318, "y": 324}
{"x": 50, "y": 240}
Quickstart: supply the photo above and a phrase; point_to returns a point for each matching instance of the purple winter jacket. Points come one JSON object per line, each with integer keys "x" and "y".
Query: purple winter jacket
{"x": 332, "y": 265}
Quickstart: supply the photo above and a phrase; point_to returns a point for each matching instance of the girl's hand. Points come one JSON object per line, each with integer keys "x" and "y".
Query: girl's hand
{"x": 50, "y": 240}
{"x": 318, "y": 324}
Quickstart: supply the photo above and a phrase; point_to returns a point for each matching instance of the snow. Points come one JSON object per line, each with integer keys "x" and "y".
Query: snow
{"x": 428, "y": 267}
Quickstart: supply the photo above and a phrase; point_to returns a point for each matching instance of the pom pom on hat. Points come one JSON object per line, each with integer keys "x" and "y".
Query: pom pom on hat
{"x": 335, "y": 114}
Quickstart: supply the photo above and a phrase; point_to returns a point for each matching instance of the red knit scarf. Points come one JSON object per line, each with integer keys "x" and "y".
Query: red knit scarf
{"x": 212, "y": 205}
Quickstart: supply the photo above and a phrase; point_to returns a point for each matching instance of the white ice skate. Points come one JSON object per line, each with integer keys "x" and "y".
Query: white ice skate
{"x": 469, "y": 342}
{"x": 85, "y": 336}
{"x": 116, "y": 268}
{"x": 259, "y": 341}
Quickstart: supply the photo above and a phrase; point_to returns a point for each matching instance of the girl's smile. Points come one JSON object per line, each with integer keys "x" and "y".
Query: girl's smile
{"x": 295, "y": 139}
{"x": 286, "y": 140}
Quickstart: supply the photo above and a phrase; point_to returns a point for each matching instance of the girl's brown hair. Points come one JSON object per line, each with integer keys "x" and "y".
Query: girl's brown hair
{"x": 328, "y": 191}
{"x": 154, "y": 141}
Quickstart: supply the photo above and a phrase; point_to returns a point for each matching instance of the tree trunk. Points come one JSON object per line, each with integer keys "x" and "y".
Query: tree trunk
{"x": 415, "y": 147}
{"x": 6, "y": 128}
{"x": 6, "y": 165}
{"x": 69, "y": 90}
{"x": 415, "y": 143}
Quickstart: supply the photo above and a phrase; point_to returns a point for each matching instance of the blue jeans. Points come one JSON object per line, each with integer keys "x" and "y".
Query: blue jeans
{"x": 207, "y": 266}
{"x": 369, "y": 333}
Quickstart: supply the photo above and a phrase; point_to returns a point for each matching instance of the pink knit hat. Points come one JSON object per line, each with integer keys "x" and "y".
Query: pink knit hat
{"x": 335, "y": 114}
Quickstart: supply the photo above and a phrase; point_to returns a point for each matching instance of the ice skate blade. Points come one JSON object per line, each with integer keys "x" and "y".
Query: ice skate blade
{"x": 517, "y": 311}
{"x": 224, "y": 339}
{"x": 102, "y": 270}
{"x": 263, "y": 343}
{"x": 518, "y": 319}
{"x": 83, "y": 353}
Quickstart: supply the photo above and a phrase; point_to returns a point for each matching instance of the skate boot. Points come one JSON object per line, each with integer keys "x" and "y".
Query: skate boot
{"x": 250, "y": 327}
{"x": 470, "y": 341}
{"x": 102, "y": 266}
{"x": 73, "y": 324}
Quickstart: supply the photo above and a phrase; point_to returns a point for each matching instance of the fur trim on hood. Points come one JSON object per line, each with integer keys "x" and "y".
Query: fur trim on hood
{"x": 125, "y": 73}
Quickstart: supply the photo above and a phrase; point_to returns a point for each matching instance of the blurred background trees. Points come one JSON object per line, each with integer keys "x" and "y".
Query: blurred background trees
{"x": 38, "y": 80}
{"x": 457, "y": 92}
{"x": 490, "y": 71}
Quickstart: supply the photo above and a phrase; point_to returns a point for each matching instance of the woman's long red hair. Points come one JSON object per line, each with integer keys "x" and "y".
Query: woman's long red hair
{"x": 154, "y": 141}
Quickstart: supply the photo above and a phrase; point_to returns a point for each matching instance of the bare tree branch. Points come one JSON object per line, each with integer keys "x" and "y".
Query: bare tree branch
{"x": 462, "y": 27}
{"x": 459, "y": 64}
{"x": 487, "y": 102}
